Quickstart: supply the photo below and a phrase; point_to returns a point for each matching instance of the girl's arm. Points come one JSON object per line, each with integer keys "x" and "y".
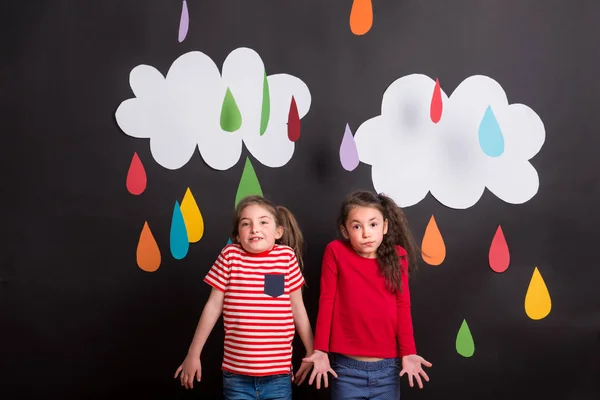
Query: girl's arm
{"x": 304, "y": 331}
{"x": 412, "y": 364}
{"x": 301, "y": 321}
{"x": 320, "y": 357}
{"x": 406, "y": 339}
{"x": 326, "y": 300}
{"x": 210, "y": 315}
{"x": 191, "y": 367}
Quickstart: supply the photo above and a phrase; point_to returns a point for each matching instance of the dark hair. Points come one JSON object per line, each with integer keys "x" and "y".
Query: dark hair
{"x": 292, "y": 235}
{"x": 398, "y": 234}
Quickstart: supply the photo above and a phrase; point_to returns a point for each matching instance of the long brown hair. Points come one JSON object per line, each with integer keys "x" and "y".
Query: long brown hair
{"x": 292, "y": 234}
{"x": 398, "y": 234}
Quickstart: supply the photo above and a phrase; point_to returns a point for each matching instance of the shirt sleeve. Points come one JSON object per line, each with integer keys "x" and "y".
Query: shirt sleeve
{"x": 329, "y": 273}
{"x": 406, "y": 339}
{"x": 218, "y": 275}
{"x": 295, "y": 278}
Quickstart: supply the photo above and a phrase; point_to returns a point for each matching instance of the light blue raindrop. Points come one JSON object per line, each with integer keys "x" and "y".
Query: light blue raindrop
{"x": 491, "y": 139}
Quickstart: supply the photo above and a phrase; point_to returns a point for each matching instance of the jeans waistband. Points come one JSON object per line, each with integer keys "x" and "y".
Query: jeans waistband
{"x": 364, "y": 365}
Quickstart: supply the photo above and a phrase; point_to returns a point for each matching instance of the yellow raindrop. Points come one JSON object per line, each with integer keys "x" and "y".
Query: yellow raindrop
{"x": 537, "y": 300}
{"x": 192, "y": 217}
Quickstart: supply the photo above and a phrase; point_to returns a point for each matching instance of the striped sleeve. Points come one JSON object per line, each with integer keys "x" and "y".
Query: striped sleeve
{"x": 218, "y": 275}
{"x": 295, "y": 278}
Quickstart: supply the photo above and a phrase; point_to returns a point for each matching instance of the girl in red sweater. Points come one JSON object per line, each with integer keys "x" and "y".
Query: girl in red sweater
{"x": 364, "y": 323}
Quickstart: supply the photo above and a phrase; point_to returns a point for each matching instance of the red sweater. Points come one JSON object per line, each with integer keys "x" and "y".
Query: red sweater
{"x": 358, "y": 315}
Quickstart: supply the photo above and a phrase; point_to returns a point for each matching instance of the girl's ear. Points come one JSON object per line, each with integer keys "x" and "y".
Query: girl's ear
{"x": 385, "y": 226}
{"x": 344, "y": 232}
{"x": 278, "y": 232}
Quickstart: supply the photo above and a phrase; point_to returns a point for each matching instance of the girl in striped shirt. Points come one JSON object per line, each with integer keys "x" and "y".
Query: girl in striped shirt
{"x": 256, "y": 284}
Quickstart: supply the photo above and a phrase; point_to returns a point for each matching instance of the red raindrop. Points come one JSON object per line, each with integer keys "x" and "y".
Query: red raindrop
{"x": 136, "y": 176}
{"x": 437, "y": 106}
{"x": 293, "y": 122}
{"x": 499, "y": 255}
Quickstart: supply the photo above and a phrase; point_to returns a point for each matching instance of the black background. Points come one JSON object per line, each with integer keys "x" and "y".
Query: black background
{"x": 79, "y": 319}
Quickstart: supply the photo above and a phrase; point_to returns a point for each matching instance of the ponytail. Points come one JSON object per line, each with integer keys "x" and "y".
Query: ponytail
{"x": 292, "y": 234}
{"x": 398, "y": 233}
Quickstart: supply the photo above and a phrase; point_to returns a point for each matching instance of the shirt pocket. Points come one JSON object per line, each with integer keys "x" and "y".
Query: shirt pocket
{"x": 274, "y": 284}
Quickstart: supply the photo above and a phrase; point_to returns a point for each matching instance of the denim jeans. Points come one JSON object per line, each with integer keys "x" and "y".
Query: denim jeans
{"x": 360, "y": 380}
{"x": 244, "y": 387}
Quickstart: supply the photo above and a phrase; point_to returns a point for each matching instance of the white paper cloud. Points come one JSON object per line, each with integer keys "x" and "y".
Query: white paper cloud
{"x": 183, "y": 110}
{"x": 411, "y": 156}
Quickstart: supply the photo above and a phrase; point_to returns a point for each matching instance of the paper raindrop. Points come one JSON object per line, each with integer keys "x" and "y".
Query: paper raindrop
{"x": 465, "y": 346}
{"x": 436, "y": 107}
{"x": 348, "y": 152}
{"x": 266, "y": 106}
{"x": 499, "y": 256}
{"x": 194, "y": 223}
{"x": 179, "y": 237}
{"x": 148, "y": 253}
{"x": 249, "y": 184}
{"x": 491, "y": 139}
{"x": 136, "y": 176}
{"x": 231, "y": 118}
{"x": 537, "y": 300}
{"x": 433, "y": 248}
{"x": 184, "y": 22}
{"x": 293, "y": 122}
{"x": 361, "y": 16}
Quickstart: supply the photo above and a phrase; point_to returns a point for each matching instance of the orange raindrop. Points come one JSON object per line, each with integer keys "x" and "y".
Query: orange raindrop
{"x": 433, "y": 249}
{"x": 361, "y": 16}
{"x": 537, "y": 300}
{"x": 148, "y": 253}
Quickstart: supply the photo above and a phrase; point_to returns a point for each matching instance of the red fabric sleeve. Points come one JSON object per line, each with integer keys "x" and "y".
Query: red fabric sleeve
{"x": 218, "y": 275}
{"x": 406, "y": 339}
{"x": 328, "y": 291}
{"x": 294, "y": 276}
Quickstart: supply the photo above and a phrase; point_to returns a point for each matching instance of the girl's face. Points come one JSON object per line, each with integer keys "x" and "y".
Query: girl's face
{"x": 365, "y": 228}
{"x": 257, "y": 229}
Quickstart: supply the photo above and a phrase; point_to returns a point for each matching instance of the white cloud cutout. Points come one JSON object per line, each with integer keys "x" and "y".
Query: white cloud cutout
{"x": 182, "y": 111}
{"x": 411, "y": 156}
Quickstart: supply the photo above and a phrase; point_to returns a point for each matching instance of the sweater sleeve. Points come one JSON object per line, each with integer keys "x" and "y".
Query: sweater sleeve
{"x": 326, "y": 300}
{"x": 406, "y": 340}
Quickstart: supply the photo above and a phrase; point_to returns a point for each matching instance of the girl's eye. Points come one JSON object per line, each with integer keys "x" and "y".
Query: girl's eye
{"x": 264, "y": 222}
{"x": 374, "y": 224}
{"x": 244, "y": 224}
{"x": 355, "y": 227}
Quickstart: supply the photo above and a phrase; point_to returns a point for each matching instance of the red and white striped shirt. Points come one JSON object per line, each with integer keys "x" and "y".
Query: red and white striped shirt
{"x": 257, "y": 312}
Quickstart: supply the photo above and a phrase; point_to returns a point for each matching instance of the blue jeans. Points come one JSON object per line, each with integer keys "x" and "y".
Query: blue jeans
{"x": 244, "y": 387}
{"x": 360, "y": 380}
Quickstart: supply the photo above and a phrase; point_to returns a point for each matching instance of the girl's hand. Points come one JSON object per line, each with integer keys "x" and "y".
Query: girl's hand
{"x": 302, "y": 372}
{"x": 191, "y": 367}
{"x": 411, "y": 365}
{"x": 320, "y": 360}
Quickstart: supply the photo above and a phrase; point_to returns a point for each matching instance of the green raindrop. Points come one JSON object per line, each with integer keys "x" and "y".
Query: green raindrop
{"x": 249, "y": 184}
{"x": 231, "y": 118}
{"x": 266, "y": 106}
{"x": 464, "y": 341}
